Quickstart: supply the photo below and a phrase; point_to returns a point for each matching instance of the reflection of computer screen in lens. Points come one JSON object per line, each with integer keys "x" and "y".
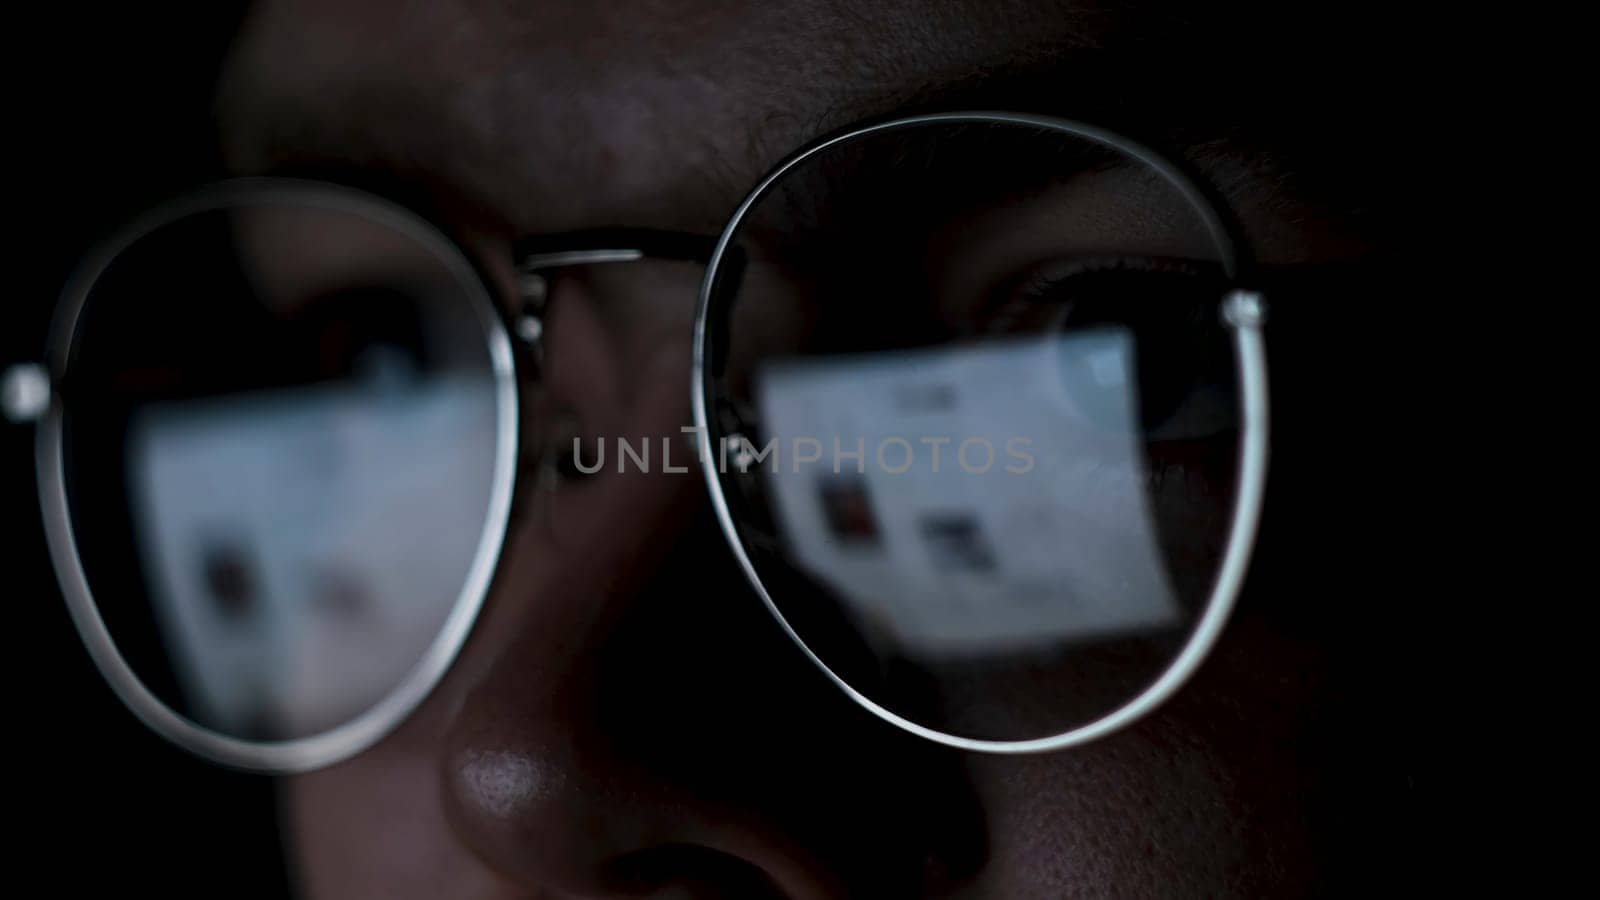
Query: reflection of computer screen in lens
{"x": 1034, "y": 528}
{"x": 304, "y": 545}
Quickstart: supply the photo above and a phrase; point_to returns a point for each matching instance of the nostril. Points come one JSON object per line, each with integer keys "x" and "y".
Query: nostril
{"x": 689, "y": 870}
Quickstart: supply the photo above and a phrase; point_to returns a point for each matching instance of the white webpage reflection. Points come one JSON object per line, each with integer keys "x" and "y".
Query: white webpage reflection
{"x": 303, "y": 547}
{"x": 969, "y": 559}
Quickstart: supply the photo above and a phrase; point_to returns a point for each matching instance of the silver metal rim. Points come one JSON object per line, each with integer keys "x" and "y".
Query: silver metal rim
{"x": 1253, "y": 441}
{"x": 350, "y": 738}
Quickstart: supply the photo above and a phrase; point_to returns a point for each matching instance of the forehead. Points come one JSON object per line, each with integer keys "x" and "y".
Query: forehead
{"x": 568, "y": 115}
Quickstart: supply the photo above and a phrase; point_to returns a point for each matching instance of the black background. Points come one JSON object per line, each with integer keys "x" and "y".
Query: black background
{"x": 110, "y": 112}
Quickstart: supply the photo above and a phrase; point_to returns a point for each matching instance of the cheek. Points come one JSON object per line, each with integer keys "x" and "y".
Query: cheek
{"x": 374, "y": 826}
{"x": 1188, "y": 802}
{"x": 1121, "y": 814}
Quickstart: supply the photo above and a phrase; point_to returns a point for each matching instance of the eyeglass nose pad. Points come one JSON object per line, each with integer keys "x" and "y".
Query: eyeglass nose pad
{"x": 728, "y": 275}
{"x": 529, "y": 323}
{"x": 736, "y": 426}
{"x": 738, "y": 430}
{"x": 736, "y": 420}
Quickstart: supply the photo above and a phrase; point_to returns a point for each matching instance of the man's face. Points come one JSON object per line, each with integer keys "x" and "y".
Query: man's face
{"x": 626, "y": 720}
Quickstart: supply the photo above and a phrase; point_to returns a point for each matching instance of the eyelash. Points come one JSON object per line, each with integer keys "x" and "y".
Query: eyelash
{"x": 1046, "y": 286}
{"x": 1171, "y": 315}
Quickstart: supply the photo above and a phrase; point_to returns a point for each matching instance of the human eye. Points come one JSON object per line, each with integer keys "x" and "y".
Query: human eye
{"x": 1166, "y": 308}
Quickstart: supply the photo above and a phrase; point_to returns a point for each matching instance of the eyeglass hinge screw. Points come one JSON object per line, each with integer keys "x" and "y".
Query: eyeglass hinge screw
{"x": 25, "y": 392}
{"x": 1245, "y": 309}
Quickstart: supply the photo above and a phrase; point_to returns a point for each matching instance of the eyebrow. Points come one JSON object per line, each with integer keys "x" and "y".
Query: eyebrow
{"x": 1133, "y": 93}
{"x": 901, "y": 164}
{"x": 867, "y": 180}
{"x": 1126, "y": 93}
{"x": 1123, "y": 93}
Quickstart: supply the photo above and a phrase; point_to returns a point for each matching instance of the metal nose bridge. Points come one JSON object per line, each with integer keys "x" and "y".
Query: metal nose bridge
{"x": 535, "y": 256}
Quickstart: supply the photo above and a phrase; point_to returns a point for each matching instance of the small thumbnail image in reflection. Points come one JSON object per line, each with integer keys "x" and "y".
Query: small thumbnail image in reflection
{"x": 956, "y": 543}
{"x": 229, "y": 575}
{"x": 847, "y": 508}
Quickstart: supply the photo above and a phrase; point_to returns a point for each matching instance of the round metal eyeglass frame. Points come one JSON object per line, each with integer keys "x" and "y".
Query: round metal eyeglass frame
{"x": 1242, "y": 310}
{"x": 31, "y": 393}
{"x": 364, "y": 730}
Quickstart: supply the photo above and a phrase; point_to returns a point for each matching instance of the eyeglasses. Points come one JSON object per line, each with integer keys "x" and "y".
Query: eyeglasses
{"x": 979, "y": 399}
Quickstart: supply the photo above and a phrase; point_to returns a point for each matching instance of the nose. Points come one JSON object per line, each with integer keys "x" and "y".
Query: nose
{"x": 635, "y": 722}
{"x": 582, "y": 759}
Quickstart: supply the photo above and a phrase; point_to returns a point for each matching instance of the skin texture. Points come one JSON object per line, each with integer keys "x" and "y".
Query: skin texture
{"x": 626, "y": 720}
